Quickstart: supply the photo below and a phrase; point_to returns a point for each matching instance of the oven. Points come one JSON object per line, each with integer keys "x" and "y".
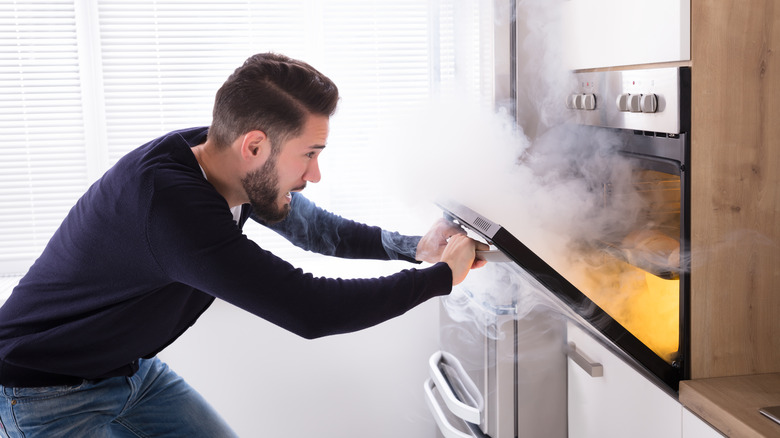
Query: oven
{"x": 502, "y": 367}
{"x": 640, "y": 276}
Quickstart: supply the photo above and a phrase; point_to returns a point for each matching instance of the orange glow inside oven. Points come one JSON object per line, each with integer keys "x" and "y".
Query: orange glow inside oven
{"x": 648, "y": 306}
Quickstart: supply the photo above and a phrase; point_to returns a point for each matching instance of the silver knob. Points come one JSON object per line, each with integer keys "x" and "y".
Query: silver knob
{"x": 579, "y": 101}
{"x": 634, "y": 103}
{"x": 570, "y": 101}
{"x": 648, "y": 103}
{"x": 589, "y": 101}
{"x": 622, "y": 102}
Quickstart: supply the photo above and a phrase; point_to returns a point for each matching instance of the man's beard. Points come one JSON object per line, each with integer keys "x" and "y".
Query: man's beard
{"x": 262, "y": 187}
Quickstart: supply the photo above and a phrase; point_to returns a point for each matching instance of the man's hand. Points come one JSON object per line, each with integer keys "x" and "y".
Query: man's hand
{"x": 460, "y": 255}
{"x": 447, "y": 242}
{"x": 433, "y": 243}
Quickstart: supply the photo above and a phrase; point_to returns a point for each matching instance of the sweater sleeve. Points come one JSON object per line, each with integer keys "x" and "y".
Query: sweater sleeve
{"x": 315, "y": 229}
{"x": 195, "y": 241}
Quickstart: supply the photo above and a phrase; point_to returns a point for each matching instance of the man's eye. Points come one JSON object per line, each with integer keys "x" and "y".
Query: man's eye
{"x": 311, "y": 154}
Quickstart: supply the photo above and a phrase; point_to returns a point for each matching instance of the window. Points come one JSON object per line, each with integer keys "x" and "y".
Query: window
{"x": 82, "y": 83}
{"x": 43, "y": 160}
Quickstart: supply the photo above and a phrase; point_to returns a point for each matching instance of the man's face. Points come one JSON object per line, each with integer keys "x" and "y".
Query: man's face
{"x": 295, "y": 164}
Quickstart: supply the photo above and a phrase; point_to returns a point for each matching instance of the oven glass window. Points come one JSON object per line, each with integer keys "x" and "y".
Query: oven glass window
{"x": 635, "y": 276}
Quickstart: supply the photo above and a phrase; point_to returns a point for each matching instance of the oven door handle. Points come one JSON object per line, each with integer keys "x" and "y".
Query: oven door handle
{"x": 447, "y": 429}
{"x": 468, "y": 413}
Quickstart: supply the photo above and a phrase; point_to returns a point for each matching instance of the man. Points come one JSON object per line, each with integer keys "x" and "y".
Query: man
{"x": 151, "y": 244}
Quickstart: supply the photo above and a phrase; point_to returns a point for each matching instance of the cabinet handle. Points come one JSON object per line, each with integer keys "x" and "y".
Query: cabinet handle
{"x": 594, "y": 369}
{"x": 447, "y": 430}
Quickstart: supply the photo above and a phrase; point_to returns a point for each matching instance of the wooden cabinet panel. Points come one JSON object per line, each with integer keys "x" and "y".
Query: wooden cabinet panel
{"x": 735, "y": 184}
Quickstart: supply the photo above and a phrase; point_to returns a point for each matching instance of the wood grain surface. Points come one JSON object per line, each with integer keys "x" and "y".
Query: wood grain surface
{"x": 731, "y": 404}
{"x": 735, "y": 184}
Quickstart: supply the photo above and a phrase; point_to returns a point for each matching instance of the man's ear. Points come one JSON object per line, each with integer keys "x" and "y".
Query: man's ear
{"x": 255, "y": 144}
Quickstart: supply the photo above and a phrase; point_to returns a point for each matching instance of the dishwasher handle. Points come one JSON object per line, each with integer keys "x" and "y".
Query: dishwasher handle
{"x": 468, "y": 413}
{"x": 594, "y": 369}
{"x": 447, "y": 429}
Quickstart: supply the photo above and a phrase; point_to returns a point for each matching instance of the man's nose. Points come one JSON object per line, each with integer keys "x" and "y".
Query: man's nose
{"x": 313, "y": 172}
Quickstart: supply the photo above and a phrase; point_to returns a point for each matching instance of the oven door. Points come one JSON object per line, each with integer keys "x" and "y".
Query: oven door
{"x": 579, "y": 306}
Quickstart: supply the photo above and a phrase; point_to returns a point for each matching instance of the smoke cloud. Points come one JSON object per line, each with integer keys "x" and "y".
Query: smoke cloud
{"x": 548, "y": 192}
{"x": 542, "y": 178}
{"x": 562, "y": 189}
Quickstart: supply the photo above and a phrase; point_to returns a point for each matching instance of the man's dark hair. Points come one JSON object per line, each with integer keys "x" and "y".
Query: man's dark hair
{"x": 271, "y": 93}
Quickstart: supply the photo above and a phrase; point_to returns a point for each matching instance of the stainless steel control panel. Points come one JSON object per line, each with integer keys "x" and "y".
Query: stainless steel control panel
{"x": 650, "y": 100}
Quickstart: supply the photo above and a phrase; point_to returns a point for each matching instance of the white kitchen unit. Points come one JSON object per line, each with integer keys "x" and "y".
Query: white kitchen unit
{"x": 609, "y": 398}
{"x": 695, "y": 427}
{"x": 608, "y": 33}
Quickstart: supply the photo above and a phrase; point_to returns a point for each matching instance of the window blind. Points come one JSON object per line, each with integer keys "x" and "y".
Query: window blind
{"x": 81, "y": 84}
{"x": 379, "y": 54}
{"x": 42, "y": 155}
{"x": 163, "y": 60}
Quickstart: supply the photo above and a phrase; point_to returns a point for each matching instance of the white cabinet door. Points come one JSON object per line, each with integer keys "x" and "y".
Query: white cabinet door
{"x": 619, "y": 403}
{"x": 610, "y": 33}
{"x": 695, "y": 427}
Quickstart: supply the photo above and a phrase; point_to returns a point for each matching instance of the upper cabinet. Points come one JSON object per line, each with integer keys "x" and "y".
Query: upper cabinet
{"x": 610, "y": 33}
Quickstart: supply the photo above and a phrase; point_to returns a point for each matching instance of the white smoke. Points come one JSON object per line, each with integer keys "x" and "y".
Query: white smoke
{"x": 540, "y": 177}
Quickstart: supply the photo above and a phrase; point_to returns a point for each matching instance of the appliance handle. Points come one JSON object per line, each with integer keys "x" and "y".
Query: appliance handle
{"x": 447, "y": 429}
{"x": 468, "y": 413}
{"x": 493, "y": 255}
{"x": 594, "y": 369}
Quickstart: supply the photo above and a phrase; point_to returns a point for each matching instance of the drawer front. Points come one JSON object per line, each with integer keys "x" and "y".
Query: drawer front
{"x": 609, "y": 398}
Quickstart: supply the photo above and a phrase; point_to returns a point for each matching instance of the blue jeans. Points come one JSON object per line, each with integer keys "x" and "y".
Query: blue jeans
{"x": 154, "y": 402}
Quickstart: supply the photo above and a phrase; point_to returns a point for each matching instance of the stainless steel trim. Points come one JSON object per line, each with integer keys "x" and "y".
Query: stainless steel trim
{"x": 504, "y": 57}
{"x": 494, "y": 255}
{"x": 501, "y": 359}
{"x": 469, "y": 218}
{"x": 594, "y": 369}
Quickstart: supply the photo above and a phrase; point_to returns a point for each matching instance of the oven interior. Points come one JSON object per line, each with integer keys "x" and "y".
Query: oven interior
{"x": 634, "y": 275}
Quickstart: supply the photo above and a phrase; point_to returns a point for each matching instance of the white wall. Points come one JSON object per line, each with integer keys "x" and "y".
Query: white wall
{"x": 268, "y": 382}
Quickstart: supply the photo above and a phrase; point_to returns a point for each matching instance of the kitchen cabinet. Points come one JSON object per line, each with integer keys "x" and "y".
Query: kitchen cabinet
{"x": 616, "y": 400}
{"x": 735, "y": 188}
{"x": 735, "y": 204}
{"x": 695, "y": 427}
{"x": 590, "y": 33}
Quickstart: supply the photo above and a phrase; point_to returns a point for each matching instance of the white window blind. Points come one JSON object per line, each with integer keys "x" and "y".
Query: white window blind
{"x": 380, "y": 55}
{"x": 81, "y": 85}
{"x": 163, "y": 60}
{"x": 42, "y": 156}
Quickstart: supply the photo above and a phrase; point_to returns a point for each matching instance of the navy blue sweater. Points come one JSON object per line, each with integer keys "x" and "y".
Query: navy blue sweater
{"x": 148, "y": 248}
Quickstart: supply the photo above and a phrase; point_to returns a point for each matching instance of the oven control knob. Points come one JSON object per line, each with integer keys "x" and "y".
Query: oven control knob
{"x": 589, "y": 101}
{"x": 578, "y": 101}
{"x": 622, "y": 102}
{"x": 649, "y": 103}
{"x": 634, "y": 101}
{"x": 570, "y": 101}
